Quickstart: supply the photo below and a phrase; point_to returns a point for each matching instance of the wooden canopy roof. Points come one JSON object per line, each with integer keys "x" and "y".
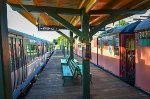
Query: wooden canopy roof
{"x": 70, "y": 10}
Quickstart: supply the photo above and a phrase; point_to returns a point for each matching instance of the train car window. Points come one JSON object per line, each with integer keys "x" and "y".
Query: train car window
{"x": 79, "y": 45}
{"x": 144, "y": 38}
{"x": 116, "y": 45}
{"x": 110, "y": 44}
{"x": 28, "y": 53}
{"x": 99, "y": 42}
{"x": 102, "y": 42}
{"x": 19, "y": 52}
{"x": 11, "y": 53}
{"x": 15, "y": 53}
{"x": 32, "y": 52}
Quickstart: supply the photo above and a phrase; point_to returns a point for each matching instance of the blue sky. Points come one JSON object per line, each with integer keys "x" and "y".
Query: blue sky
{"x": 18, "y": 22}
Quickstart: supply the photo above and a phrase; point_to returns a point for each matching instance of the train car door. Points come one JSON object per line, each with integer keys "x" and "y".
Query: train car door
{"x": 127, "y": 58}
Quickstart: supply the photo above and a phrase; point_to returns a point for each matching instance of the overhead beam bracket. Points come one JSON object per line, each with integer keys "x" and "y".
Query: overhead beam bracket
{"x": 65, "y": 23}
{"x": 64, "y": 35}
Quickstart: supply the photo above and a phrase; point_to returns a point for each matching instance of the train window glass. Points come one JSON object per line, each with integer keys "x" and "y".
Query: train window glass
{"x": 144, "y": 38}
{"x": 21, "y": 52}
{"x": 11, "y": 53}
{"x": 18, "y": 47}
{"x": 32, "y": 52}
{"x": 110, "y": 44}
{"x": 102, "y": 42}
{"x": 116, "y": 45}
{"x": 14, "y": 53}
{"x": 28, "y": 56}
{"x": 99, "y": 42}
{"x": 79, "y": 45}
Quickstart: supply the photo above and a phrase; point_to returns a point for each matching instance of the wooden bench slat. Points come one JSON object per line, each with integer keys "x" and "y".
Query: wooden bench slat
{"x": 66, "y": 71}
{"x": 63, "y": 61}
{"x": 75, "y": 60}
{"x": 71, "y": 68}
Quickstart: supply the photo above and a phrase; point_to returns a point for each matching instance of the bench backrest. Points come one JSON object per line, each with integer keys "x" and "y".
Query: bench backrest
{"x": 68, "y": 59}
{"x": 73, "y": 67}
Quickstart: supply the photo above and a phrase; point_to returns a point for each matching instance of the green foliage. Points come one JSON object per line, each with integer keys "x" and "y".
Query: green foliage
{"x": 55, "y": 41}
{"x": 61, "y": 39}
{"x": 122, "y": 22}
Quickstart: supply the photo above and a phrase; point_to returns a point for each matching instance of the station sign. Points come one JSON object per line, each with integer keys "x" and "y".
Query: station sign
{"x": 47, "y": 28}
{"x": 86, "y": 51}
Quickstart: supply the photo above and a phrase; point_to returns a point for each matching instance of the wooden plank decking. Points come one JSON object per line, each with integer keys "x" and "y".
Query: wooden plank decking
{"x": 105, "y": 86}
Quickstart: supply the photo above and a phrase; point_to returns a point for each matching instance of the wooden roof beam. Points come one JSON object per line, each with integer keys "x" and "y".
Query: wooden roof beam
{"x": 64, "y": 35}
{"x": 101, "y": 25}
{"x": 65, "y": 23}
{"x": 44, "y": 16}
{"x": 121, "y": 11}
{"x": 113, "y": 15}
{"x": 33, "y": 8}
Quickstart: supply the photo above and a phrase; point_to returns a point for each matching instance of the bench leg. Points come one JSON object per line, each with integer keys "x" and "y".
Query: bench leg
{"x": 72, "y": 79}
{"x": 91, "y": 78}
{"x": 63, "y": 81}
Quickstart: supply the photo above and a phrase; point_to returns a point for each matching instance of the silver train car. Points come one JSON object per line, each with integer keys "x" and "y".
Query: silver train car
{"x": 28, "y": 55}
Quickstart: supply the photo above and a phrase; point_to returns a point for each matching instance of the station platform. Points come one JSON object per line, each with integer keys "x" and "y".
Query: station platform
{"x": 105, "y": 86}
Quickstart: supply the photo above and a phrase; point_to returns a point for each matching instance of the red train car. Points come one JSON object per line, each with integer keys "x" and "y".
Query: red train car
{"x": 94, "y": 50}
{"x": 78, "y": 47}
{"x": 124, "y": 52}
{"x": 117, "y": 52}
{"x": 142, "y": 54}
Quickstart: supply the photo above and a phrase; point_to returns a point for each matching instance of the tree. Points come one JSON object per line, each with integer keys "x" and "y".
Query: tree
{"x": 122, "y": 22}
{"x": 61, "y": 39}
{"x": 55, "y": 41}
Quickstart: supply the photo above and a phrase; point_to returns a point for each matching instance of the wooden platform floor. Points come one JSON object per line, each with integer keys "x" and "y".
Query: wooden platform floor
{"x": 105, "y": 86}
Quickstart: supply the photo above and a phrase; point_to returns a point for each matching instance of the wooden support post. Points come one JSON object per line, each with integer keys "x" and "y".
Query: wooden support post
{"x": 71, "y": 45}
{"x": 97, "y": 50}
{"x": 86, "y": 71}
{"x": 5, "y": 79}
{"x": 85, "y": 60}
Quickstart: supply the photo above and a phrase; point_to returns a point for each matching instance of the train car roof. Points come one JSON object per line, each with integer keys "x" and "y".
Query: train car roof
{"x": 144, "y": 25}
{"x": 129, "y": 28}
{"x": 25, "y": 35}
{"x": 107, "y": 32}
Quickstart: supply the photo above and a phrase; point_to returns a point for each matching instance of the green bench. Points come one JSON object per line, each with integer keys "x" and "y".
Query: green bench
{"x": 79, "y": 70}
{"x": 72, "y": 70}
{"x": 69, "y": 71}
{"x": 65, "y": 60}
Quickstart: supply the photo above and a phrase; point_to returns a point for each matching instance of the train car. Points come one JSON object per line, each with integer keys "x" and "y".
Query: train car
{"x": 78, "y": 47}
{"x": 125, "y": 52}
{"x": 94, "y": 50}
{"x": 117, "y": 52}
{"x": 28, "y": 55}
{"x": 142, "y": 54}
{"x": 114, "y": 50}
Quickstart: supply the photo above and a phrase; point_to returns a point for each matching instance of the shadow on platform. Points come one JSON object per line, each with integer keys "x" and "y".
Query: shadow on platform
{"x": 105, "y": 86}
